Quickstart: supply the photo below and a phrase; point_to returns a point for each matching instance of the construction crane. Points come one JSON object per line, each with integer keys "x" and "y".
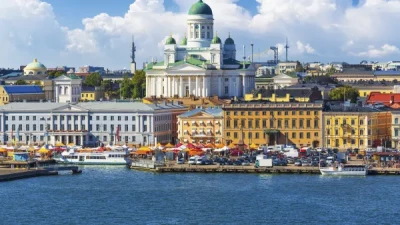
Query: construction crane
{"x": 273, "y": 48}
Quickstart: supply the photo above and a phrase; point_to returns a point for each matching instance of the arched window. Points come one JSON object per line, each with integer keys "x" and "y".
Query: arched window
{"x": 66, "y": 90}
{"x": 60, "y": 90}
{"x": 396, "y": 120}
{"x": 31, "y": 73}
{"x": 39, "y": 72}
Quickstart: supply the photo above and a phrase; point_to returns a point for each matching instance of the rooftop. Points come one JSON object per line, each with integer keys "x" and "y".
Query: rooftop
{"x": 23, "y": 89}
{"x": 214, "y": 111}
{"x": 89, "y": 106}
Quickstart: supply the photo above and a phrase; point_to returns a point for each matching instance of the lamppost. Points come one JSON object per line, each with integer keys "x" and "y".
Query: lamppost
{"x": 46, "y": 134}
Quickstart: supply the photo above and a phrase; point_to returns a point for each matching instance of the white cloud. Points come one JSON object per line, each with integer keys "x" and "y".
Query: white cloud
{"x": 305, "y": 48}
{"x": 373, "y": 52}
{"x": 318, "y": 30}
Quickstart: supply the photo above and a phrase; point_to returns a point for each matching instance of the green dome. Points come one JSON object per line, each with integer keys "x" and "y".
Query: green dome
{"x": 35, "y": 65}
{"x": 184, "y": 41}
{"x": 200, "y": 8}
{"x": 229, "y": 41}
{"x": 216, "y": 40}
{"x": 170, "y": 41}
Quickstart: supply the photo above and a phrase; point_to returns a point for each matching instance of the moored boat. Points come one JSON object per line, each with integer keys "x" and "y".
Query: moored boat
{"x": 350, "y": 170}
{"x": 94, "y": 158}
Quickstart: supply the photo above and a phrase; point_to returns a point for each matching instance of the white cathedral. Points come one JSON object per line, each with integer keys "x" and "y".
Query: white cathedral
{"x": 200, "y": 65}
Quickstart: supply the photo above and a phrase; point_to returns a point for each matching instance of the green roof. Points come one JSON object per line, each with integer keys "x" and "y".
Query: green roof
{"x": 200, "y": 8}
{"x": 170, "y": 41}
{"x": 229, "y": 40}
{"x": 73, "y": 76}
{"x": 184, "y": 41}
{"x": 216, "y": 40}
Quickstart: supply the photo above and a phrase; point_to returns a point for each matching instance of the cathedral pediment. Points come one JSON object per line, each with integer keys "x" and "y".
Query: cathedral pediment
{"x": 185, "y": 67}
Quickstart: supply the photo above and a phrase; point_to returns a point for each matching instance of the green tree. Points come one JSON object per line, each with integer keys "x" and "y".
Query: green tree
{"x": 139, "y": 83}
{"x": 344, "y": 93}
{"x": 59, "y": 73}
{"x": 126, "y": 87}
{"x": 38, "y": 83}
{"x": 20, "y": 82}
{"x": 299, "y": 67}
{"x": 108, "y": 87}
{"x": 330, "y": 71}
{"x": 93, "y": 80}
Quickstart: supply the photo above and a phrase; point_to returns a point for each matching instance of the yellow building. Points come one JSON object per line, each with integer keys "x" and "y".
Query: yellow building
{"x": 365, "y": 90}
{"x": 19, "y": 93}
{"x": 273, "y": 123}
{"x": 285, "y": 95}
{"x": 92, "y": 94}
{"x": 356, "y": 127}
{"x": 201, "y": 126}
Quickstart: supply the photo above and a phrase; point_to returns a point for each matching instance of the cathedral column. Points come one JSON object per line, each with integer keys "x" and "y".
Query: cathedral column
{"x": 190, "y": 86}
{"x": 155, "y": 86}
{"x": 207, "y": 86}
{"x": 168, "y": 87}
{"x": 148, "y": 87}
{"x": 196, "y": 91}
{"x": 173, "y": 87}
{"x": 204, "y": 87}
{"x": 219, "y": 85}
{"x": 165, "y": 87}
{"x": 244, "y": 85}
{"x": 180, "y": 86}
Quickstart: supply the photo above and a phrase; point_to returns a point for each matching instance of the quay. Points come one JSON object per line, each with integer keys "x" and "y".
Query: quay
{"x": 174, "y": 168}
{"x": 14, "y": 170}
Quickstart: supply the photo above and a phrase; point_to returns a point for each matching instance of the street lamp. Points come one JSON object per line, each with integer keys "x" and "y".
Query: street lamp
{"x": 46, "y": 134}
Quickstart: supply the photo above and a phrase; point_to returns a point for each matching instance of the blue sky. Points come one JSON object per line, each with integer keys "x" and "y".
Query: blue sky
{"x": 98, "y": 32}
{"x": 71, "y": 12}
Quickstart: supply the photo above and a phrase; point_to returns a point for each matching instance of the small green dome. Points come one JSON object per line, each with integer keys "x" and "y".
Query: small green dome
{"x": 35, "y": 65}
{"x": 170, "y": 41}
{"x": 184, "y": 41}
{"x": 216, "y": 40}
{"x": 200, "y": 8}
{"x": 229, "y": 40}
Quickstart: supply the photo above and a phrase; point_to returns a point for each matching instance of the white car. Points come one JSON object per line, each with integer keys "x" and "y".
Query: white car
{"x": 192, "y": 161}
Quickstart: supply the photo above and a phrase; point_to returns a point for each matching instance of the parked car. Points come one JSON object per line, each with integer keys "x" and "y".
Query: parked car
{"x": 192, "y": 160}
{"x": 306, "y": 163}
{"x": 290, "y": 160}
{"x": 314, "y": 163}
{"x": 298, "y": 163}
{"x": 237, "y": 163}
{"x": 246, "y": 163}
{"x": 222, "y": 161}
{"x": 181, "y": 161}
{"x": 207, "y": 162}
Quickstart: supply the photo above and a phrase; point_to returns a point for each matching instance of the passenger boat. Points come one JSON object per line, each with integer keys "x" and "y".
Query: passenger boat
{"x": 350, "y": 170}
{"x": 94, "y": 158}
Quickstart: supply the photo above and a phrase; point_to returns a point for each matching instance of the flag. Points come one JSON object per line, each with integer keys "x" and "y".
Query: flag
{"x": 117, "y": 133}
{"x": 12, "y": 136}
{"x": 17, "y": 137}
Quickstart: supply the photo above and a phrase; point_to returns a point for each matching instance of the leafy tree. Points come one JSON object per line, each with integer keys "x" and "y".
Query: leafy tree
{"x": 139, "y": 83}
{"x": 344, "y": 93}
{"x": 108, "y": 87}
{"x": 93, "y": 80}
{"x": 59, "y": 73}
{"x": 38, "y": 82}
{"x": 126, "y": 87}
{"x": 299, "y": 67}
{"x": 21, "y": 82}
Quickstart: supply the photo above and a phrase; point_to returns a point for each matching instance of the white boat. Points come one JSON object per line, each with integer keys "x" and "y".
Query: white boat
{"x": 353, "y": 170}
{"x": 94, "y": 158}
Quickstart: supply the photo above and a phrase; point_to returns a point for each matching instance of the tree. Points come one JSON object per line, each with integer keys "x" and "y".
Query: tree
{"x": 93, "y": 80}
{"x": 20, "y": 82}
{"x": 126, "y": 87}
{"x": 59, "y": 73}
{"x": 108, "y": 87}
{"x": 139, "y": 83}
{"x": 299, "y": 67}
{"x": 38, "y": 83}
{"x": 344, "y": 93}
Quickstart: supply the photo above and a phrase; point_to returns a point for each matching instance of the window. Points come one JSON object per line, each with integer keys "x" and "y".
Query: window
{"x": 301, "y": 135}
{"x": 257, "y": 135}
{"x": 104, "y": 138}
{"x": 235, "y": 135}
{"x": 279, "y": 123}
{"x": 34, "y": 127}
{"x": 34, "y": 118}
{"x": 315, "y": 134}
{"x": 396, "y": 120}
{"x": 336, "y": 122}
{"x": 144, "y": 128}
{"x": 315, "y": 113}
{"x": 257, "y": 123}
{"x": 133, "y": 138}
{"x": 361, "y": 142}
{"x": 228, "y": 123}
{"x": 20, "y": 117}
{"x": 308, "y": 135}
{"x": 286, "y": 123}
{"x": 361, "y": 122}
{"x": 308, "y": 113}
{"x": 97, "y": 117}
{"x": 126, "y": 128}
{"x": 104, "y": 118}
{"x": 41, "y": 127}
{"x": 294, "y": 135}
{"x": 250, "y": 135}
{"x": 27, "y": 118}
{"x": 226, "y": 90}
{"x": 249, "y": 113}
{"x": 328, "y": 122}
{"x": 396, "y": 132}
{"x": 105, "y": 127}
{"x": 301, "y": 123}
{"x": 316, "y": 123}
{"x": 361, "y": 132}
{"x": 293, "y": 123}
{"x": 119, "y": 118}
{"x": 264, "y": 124}
{"x": 13, "y": 117}
{"x": 293, "y": 113}
{"x": 228, "y": 134}
{"x": 133, "y": 118}
{"x": 235, "y": 123}
{"x": 126, "y": 118}
{"x": 308, "y": 123}
{"x": 13, "y": 127}
{"x": 27, "y": 127}
{"x": 250, "y": 124}
{"x": 133, "y": 127}
{"x": 352, "y": 121}
{"x": 112, "y": 118}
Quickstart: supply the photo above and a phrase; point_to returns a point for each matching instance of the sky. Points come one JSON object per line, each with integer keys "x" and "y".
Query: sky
{"x": 98, "y": 32}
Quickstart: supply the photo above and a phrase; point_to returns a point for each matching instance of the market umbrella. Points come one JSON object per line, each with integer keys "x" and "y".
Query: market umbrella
{"x": 169, "y": 145}
{"x": 219, "y": 145}
{"x": 43, "y": 150}
{"x": 190, "y": 145}
{"x": 210, "y": 145}
{"x": 3, "y": 150}
{"x": 59, "y": 144}
{"x": 253, "y": 146}
{"x": 231, "y": 145}
{"x": 236, "y": 153}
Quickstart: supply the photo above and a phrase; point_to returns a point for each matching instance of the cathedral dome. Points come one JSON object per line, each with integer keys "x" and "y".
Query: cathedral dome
{"x": 216, "y": 40}
{"x": 35, "y": 65}
{"x": 170, "y": 41}
{"x": 200, "y": 8}
{"x": 184, "y": 41}
{"x": 229, "y": 41}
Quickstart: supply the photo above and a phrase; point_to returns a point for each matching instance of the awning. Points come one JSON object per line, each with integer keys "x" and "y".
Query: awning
{"x": 142, "y": 152}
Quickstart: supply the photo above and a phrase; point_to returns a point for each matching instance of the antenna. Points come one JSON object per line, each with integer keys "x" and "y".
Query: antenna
{"x": 287, "y": 49}
{"x": 252, "y": 54}
{"x": 133, "y": 49}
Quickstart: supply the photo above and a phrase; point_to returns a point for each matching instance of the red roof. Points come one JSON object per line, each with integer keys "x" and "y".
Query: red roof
{"x": 386, "y": 99}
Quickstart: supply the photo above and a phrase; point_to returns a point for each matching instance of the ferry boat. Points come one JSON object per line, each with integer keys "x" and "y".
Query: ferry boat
{"x": 351, "y": 170}
{"x": 94, "y": 158}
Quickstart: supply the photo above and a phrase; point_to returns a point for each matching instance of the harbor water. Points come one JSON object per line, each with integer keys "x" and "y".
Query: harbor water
{"x": 117, "y": 195}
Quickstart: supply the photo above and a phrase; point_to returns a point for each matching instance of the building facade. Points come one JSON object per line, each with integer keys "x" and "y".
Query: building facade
{"x": 273, "y": 123}
{"x": 395, "y": 129}
{"x": 19, "y": 93}
{"x": 92, "y": 94}
{"x": 200, "y": 65}
{"x": 356, "y": 127}
{"x": 35, "y": 68}
{"x": 88, "y": 124}
{"x": 285, "y": 95}
{"x": 201, "y": 126}
{"x": 67, "y": 88}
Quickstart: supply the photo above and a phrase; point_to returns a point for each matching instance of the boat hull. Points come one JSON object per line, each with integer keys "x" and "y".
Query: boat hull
{"x": 94, "y": 163}
{"x": 330, "y": 172}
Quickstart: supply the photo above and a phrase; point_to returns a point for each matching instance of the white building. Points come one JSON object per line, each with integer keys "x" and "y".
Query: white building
{"x": 88, "y": 124}
{"x": 201, "y": 65}
{"x": 283, "y": 80}
{"x": 67, "y": 88}
{"x": 285, "y": 67}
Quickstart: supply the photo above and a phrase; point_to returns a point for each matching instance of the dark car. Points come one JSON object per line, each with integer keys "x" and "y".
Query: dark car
{"x": 207, "y": 162}
{"x": 229, "y": 162}
{"x": 238, "y": 163}
{"x": 314, "y": 163}
{"x": 222, "y": 161}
